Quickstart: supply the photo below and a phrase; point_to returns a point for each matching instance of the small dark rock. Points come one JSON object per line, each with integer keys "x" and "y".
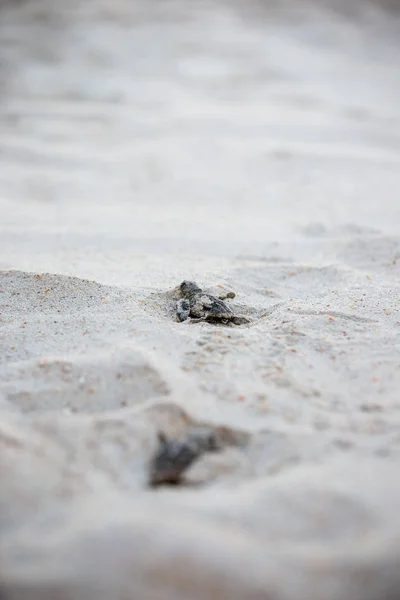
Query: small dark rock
{"x": 173, "y": 457}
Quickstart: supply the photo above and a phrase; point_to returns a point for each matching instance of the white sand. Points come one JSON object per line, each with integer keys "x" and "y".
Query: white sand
{"x": 243, "y": 146}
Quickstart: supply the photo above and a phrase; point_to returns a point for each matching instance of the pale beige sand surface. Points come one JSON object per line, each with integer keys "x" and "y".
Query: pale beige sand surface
{"x": 253, "y": 146}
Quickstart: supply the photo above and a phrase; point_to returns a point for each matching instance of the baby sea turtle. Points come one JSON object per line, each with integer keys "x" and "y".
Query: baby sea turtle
{"x": 204, "y": 307}
{"x": 174, "y": 456}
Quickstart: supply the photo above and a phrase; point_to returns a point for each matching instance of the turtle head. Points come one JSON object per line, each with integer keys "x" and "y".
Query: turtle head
{"x": 188, "y": 288}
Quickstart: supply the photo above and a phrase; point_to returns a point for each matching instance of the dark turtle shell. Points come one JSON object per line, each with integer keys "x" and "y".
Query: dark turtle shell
{"x": 210, "y": 307}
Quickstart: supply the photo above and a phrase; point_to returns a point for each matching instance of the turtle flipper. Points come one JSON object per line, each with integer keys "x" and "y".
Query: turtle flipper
{"x": 240, "y": 320}
{"x": 226, "y": 295}
{"x": 183, "y": 309}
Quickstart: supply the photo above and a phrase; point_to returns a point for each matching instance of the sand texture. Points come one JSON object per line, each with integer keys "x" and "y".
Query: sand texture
{"x": 251, "y": 147}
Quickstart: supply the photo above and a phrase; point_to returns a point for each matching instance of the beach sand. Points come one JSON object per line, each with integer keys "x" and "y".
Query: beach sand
{"x": 249, "y": 147}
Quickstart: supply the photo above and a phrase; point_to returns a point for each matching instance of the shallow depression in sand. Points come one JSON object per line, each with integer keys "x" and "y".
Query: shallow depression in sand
{"x": 103, "y": 382}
